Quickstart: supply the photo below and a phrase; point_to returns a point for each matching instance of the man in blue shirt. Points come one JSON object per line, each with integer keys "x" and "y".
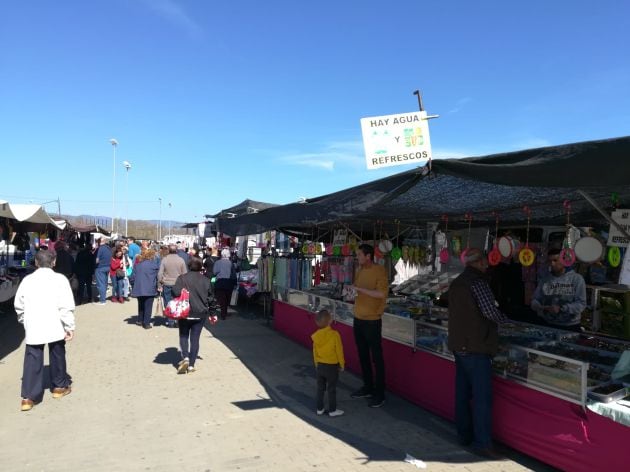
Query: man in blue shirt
{"x": 103, "y": 260}
{"x": 134, "y": 249}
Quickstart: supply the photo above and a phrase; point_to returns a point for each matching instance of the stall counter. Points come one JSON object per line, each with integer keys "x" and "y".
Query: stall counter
{"x": 553, "y": 430}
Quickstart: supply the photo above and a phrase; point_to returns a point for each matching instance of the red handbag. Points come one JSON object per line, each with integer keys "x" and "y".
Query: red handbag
{"x": 179, "y": 307}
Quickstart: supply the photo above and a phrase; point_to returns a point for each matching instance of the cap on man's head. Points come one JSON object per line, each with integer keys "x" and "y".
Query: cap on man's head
{"x": 473, "y": 254}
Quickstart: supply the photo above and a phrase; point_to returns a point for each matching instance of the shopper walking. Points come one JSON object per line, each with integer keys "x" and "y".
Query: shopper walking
{"x": 371, "y": 287}
{"x": 44, "y": 304}
{"x": 117, "y": 274}
{"x": 128, "y": 268}
{"x": 171, "y": 267}
{"x": 145, "y": 284}
{"x": 103, "y": 260}
{"x": 225, "y": 273}
{"x": 190, "y": 328}
{"x": 64, "y": 264}
{"x": 473, "y": 338}
{"x": 134, "y": 249}
{"x": 84, "y": 270}
{"x": 329, "y": 361}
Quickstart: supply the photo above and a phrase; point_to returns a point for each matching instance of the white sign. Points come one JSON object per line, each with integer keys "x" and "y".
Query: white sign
{"x": 340, "y": 237}
{"x": 393, "y": 140}
{"x": 616, "y": 237}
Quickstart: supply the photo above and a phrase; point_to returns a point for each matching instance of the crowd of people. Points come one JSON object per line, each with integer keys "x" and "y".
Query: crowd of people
{"x": 146, "y": 272}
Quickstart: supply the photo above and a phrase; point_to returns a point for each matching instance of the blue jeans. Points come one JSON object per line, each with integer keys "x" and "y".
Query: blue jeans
{"x": 473, "y": 387}
{"x": 102, "y": 274}
{"x": 167, "y": 293}
{"x": 117, "y": 286}
{"x": 190, "y": 330}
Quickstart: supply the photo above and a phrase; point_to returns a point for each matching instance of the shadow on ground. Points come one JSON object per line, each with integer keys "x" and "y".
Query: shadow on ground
{"x": 284, "y": 368}
{"x": 11, "y": 332}
{"x": 170, "y": 356}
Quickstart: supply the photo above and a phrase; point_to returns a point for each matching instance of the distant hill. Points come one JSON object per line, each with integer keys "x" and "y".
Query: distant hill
{"x": 141, "y": 229}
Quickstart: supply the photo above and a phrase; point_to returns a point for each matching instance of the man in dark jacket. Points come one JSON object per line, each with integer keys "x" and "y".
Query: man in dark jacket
{"x": 473, "y": 338}
{"x": 84, "y": 270}
{"x": 64, "y": 262}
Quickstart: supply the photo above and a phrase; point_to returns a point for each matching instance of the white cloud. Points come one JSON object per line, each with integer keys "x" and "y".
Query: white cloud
{"x": 313, "y": 162}
{"x": 460, "y": 104}
{"x": 348, "y": 155}
{"x": 175, "y": 14}
{"x": 332, "y": 156}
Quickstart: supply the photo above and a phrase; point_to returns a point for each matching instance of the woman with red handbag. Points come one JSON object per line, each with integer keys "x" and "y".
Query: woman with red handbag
{"x": 117, "y": 274}
{"x": 190, "y": 328}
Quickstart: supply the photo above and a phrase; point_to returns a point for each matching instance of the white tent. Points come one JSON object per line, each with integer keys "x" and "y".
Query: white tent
{"x": 30, "y": 213}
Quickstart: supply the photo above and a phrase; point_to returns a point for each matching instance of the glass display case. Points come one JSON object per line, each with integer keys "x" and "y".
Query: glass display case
{"x": 560, "y": 363}
{"x": 610, "y": 309}
{"x": 561, "y": 376}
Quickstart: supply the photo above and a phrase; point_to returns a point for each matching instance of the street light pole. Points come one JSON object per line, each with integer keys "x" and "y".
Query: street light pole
{"x": 114, "y": 144}
{"x": 127, "y": 166}
{"x": 160, "y": 224}
{"x": 170, "y": 217}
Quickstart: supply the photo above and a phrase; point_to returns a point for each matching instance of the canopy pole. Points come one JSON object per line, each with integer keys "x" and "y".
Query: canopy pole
{"x": 594, "y": 204}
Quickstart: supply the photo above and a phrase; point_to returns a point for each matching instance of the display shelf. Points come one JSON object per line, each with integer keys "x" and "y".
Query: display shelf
{"x": 563, "y": 377}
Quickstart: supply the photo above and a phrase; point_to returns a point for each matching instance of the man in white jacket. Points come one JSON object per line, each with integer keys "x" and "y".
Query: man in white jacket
{"x": 45, "y": 305}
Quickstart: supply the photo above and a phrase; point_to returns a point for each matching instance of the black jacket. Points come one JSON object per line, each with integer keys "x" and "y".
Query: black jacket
{"x": 85, "y": 263}
{"x": 64, "y": 263}
{"x": 199, "y": 288}
{"x": 468, "y": 329}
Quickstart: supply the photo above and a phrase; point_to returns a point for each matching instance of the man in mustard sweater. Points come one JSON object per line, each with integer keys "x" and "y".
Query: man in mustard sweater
{"x": 329, "y": 361}
{"x": 371, "y": 286}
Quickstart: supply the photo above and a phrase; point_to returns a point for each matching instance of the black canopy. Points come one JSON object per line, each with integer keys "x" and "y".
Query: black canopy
{"x": 502, "y": 184}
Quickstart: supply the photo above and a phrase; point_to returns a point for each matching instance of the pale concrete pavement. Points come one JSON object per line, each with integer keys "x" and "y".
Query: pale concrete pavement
{"x": 249, "y": 406}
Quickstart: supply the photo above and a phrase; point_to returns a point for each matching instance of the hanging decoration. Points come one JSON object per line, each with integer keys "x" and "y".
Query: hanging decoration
{"x": 567, "y": 255}
{"x": 494, "y": 256}
{"x": 462, "y": 256}
{"x": 396, "y": 251}
{"x": 444, "y": 255}
{"x": 526, "y": 256}
{"x": 614, "y": 256}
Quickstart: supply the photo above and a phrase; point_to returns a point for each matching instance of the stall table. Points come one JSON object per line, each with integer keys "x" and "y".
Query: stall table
{"x": 557, "y": 431}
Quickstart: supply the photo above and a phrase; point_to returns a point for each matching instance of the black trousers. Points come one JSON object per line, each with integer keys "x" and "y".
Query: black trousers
{"x": 85, "y": 287}
{"x": 223, "y": 297}
{"x": 145, "y": 307}
{"x": 327, "y": 377}
{"x": 33, "y": 374}
{"x": 367, "y": 336}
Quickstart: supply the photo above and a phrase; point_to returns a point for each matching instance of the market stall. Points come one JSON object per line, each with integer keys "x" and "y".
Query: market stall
{"x": 17, "y": 223}
{"x": 551, "y": 386}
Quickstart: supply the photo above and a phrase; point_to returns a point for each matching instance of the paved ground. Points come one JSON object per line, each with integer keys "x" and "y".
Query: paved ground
{"x": 248, "y": 407}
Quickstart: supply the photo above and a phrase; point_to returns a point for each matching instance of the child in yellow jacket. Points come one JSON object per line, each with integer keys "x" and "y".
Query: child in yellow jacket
{"x": 329, "y": 361}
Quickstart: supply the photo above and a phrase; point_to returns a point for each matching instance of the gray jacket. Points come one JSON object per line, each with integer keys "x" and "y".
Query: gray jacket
{"x": 171, "y": 267}
{"x": 568, "y": 291}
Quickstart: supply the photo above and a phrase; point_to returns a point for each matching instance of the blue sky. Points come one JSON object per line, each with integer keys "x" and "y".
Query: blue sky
{"x": 214, "y": 102}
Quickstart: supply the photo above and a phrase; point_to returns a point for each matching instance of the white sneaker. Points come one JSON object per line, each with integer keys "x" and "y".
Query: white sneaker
{"x": 182, "y": 367}
{"x": 321, "y": 412}
{"x": 335, "y": 413}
